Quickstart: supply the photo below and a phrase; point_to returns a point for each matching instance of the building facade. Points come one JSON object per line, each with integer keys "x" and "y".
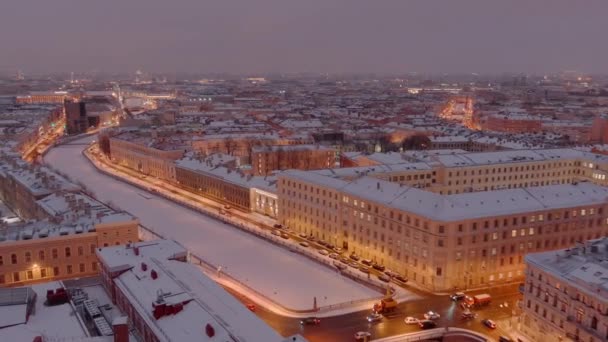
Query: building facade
{"x": 466, "y": 240}
{"x": 265, "y": 160}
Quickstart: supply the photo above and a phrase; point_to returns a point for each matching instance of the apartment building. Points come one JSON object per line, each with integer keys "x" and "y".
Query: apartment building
{"x": 485, "y": 171}
{"x": 151, "y": 156}
{"x": 62, "y": 246}
{"x": 37, "y": 97}
{"x": 566, "y": 294}
{"x": 23, "y": 184}
{"x": 217, "y": 177}
{"x": 466, "y": 240}
{"x": 241, "y": 144}
{"x": 267, "y": 159}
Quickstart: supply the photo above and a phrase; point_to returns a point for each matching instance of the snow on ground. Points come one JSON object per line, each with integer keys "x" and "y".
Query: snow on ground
{"x": 288, "y": 278}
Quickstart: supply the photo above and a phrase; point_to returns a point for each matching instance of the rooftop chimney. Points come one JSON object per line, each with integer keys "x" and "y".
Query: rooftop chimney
{"x": 121, "y": 329}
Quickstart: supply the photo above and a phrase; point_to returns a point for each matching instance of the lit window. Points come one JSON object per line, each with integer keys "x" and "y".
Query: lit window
{"x": 514, "y": 231}
{"x": 531, "y": 231}
{"x": 583, "y": 212}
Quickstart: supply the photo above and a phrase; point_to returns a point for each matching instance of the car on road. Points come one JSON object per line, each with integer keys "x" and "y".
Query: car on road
{"x": 278, "y": 225}
{"x": 489, "y": 323}
{"x": 354, "y": 257}
{"x": 427, "y": 324}
{"x": 285, "y": 236}
{"x": 323, "y": 252}
{"x": 362, "y": 335}
{"x": 457, "y": 296}
{"x": 353, "y": 264}
{"x": 374, "y": 317}
{"x": 364, "y": 269}
{"x": 310, "y": 321}
{"x": 432, "y": 315}
{"x": 466, "y": 315}
{"x": 344, "y": 260}
{"x": 304, "y": 244}
{"x": 251, "y": 307}
{"x": 366, "y": 262}
{"x": 302, "y": 235}
{"x": 379, "y": 267}
{"x": 338, "y": 250}
{"x": 411, "y": 320}
{"x": 330, "y": 246}
{"x": 400, "y": 278}
{"x": 276, "y": 232}
{"x": 384, "y": 278}
{"x": 333, "y": 255}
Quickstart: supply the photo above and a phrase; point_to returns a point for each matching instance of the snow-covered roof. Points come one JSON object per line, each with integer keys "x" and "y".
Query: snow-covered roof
{"x": 583, "y": 266}
{"x": 204, "y": 301}
{"x": 465, "y": 205}
{"x": 55, "y": 323}
{"x": 78, "y": 208}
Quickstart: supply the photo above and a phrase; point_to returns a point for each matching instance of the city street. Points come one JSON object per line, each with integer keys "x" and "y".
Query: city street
{"x": 343, "y": 328}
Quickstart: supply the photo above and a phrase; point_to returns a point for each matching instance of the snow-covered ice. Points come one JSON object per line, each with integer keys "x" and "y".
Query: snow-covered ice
{"x": 288, "y": 278}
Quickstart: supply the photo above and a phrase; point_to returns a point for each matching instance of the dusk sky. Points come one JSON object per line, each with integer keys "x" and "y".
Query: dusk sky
{"x": 257, "y": 36}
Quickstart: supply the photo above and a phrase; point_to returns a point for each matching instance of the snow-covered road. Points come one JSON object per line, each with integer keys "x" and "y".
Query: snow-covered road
{"x": 288, "y": 278}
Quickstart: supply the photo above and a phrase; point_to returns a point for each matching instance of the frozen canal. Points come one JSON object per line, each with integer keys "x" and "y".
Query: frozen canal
{"x": 288, "y": 278}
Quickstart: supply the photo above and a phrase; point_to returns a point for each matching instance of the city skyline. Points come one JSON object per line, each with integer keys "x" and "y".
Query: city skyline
{"x": 319, "y": 37}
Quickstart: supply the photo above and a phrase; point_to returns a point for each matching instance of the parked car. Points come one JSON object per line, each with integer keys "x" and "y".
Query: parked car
{"x": 489, "y": 323}
{"x": 390, "y": 273}
{"x": 310, "y": 321}
{"x": 333, "y": 255}
{"x": 427, "y": 324}
{"x": 276, "y": 232}
{"x": 322, "y": 243}
{"x": 411, "y": 320}
{"x": 323, "y": 252}
{"x": 251, "y": 307}
{"x": 375, "y": 317}
{"x": 278, "y": 225}
{"x": 285, "y": 236}
{"x": 302, "y": 235}
{"x": 339, "y": 265}
{"x": 366, "y": 262}
{"x": 379, "y": 267}
{"x": 354, "y": 257}
{"x": 364, "y": 269}
{"x": 311, "y": 238}
{"x": 344, "y": 260}
{"x": 432, "y": 315}
{"x": 330, "y": 246}
{"x": 338, "y": 250}
{"x": 400, "y": 278}
{"x": 353, "y": 264}
{"x": 384, "y": 278}
{"x": 457, "y": 296}
{"x": 304, "y": 244}
{"x": 504, "y": 339}
{"x": 362, "y": 335}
